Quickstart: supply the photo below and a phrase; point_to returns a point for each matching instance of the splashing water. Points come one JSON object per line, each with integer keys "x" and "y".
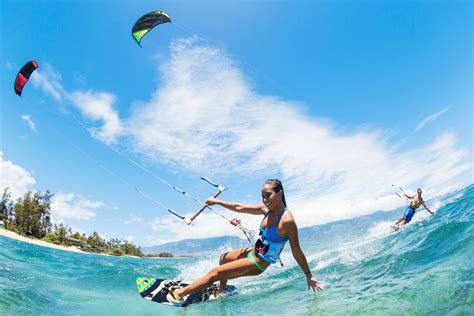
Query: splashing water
{"x": 425, "y": 268}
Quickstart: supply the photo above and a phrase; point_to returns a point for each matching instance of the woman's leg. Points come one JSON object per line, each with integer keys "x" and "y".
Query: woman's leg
{"x": 229, "y": 257}
{"x": 231, "y": 270}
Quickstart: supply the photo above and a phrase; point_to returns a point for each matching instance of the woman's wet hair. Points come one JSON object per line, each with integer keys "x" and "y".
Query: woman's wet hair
{"x": 277, "y": 186}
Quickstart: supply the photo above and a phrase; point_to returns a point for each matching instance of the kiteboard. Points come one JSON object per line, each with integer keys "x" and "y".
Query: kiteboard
{"x": 156, "y": 290}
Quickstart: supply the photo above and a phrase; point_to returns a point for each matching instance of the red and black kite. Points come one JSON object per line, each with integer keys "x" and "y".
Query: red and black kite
{"x": 23, "y": 76}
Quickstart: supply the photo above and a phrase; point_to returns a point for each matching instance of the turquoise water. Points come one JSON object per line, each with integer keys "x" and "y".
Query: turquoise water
{"x": 426, "y": 268}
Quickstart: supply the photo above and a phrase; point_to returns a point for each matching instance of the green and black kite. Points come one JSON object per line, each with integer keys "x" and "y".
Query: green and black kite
{"x": 147, "y": 22}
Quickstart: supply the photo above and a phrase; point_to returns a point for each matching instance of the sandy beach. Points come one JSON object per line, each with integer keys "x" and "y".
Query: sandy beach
{"x": 9, "y": 234}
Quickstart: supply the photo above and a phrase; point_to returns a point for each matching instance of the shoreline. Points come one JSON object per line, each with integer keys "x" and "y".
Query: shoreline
{"x": 12, "y": 235}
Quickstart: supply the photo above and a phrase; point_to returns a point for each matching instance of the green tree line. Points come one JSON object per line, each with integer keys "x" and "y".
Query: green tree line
{"x": 30, "y": 216}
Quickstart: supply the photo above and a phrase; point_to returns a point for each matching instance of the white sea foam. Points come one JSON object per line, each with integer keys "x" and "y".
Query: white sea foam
{"x": 192, "y": 271}
{"x": 365, "y": 246}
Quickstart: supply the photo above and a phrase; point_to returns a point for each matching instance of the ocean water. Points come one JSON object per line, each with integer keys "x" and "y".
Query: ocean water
{"x": 426, "y": 268}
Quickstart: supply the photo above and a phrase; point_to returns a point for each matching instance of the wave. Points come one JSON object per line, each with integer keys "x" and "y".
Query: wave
{"x": 365, "y": 267}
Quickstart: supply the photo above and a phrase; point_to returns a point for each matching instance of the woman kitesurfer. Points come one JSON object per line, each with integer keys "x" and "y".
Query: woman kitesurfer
{"x": 278, "y": 226}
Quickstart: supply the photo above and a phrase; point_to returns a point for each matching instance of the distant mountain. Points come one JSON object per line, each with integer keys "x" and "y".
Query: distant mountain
{"x": 342, "y": 227}
{"x": 197, "y": 246}
{"x": 321, "y": 233}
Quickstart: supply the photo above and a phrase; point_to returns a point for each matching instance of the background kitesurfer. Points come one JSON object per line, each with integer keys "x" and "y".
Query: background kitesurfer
{"x": 415, "y": 202}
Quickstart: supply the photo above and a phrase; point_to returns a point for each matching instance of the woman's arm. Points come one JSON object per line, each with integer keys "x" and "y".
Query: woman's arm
{"x": 257, "y": 209}
{"x": 292, "y": 233}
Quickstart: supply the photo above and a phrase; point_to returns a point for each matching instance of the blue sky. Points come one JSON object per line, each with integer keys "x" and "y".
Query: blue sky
{"x": 339, "y": 99}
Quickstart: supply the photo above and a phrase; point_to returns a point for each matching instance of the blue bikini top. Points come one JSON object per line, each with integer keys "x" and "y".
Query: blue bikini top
{"x": 271, "y": 233}
{"x": 269, "y": 244}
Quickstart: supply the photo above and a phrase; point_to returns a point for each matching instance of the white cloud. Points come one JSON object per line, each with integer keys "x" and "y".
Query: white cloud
{"x": 210, "y": 119}
{"x": 134, "y": 219}
{"x": 430, "y": 119}
{"x": 17, "y": 179}
{"x": 30, "y": 122}
{"x": 48, "y": 80}
{"x": 207, "y": 225}
{"x": 94, "y": 105}
{"x": 153, "y": 240}
{"x": 69, "y": 206}
{"x": 205, "y": 115}
{"x": 99, "y": 106}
